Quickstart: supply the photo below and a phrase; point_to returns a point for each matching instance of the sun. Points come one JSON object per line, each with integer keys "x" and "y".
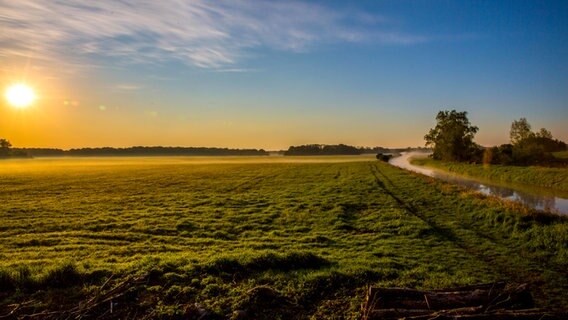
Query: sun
{"x": 20, "y": 95}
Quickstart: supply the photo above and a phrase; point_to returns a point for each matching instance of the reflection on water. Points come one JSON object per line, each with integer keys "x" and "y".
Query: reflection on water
{"x": 538, "y": 199}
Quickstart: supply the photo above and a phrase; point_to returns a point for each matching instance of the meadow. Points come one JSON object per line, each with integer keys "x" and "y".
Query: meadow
{"x": 259, "y": 238}
{"x": 561, "y": 154}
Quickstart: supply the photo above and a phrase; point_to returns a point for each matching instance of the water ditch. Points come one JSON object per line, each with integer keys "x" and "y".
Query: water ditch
{"x": 533, "y": 197}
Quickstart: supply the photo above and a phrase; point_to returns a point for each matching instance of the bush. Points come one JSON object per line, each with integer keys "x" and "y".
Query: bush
{"x": 384, "y": 157}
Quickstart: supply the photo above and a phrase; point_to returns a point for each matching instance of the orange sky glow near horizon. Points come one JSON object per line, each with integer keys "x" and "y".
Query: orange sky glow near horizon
{"x": 71, "y": 123}
{"x": 58, "y": 120}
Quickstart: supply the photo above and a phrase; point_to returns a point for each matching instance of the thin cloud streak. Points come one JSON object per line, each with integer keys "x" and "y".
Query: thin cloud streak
{"x": 128, "y": 87}
{"x": 237, "y": 70}
{"x": 205, "y": 34}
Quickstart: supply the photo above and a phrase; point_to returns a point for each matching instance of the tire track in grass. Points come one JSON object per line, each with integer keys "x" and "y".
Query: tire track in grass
{"x": 446, "y": 233}
{"x": 511, "y": 268}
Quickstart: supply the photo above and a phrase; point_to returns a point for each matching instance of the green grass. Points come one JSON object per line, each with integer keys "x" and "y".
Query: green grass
{"x": 277, "y": 238}
{"x": 561, "y": 154}
{"x": 553, "y": 178}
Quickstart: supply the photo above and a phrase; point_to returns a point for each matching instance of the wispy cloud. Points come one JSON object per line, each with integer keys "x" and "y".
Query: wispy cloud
{"x": 206, "y": 34}
{"x": 237, "y": 70}
{"x": 127, "y": 87}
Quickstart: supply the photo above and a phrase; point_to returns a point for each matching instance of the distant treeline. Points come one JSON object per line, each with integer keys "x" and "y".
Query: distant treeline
{"x": 6, "y": 151}
{"x": 340, "y": 149}
{"x": 140, "y": 151}
{"x": 320, "y": 149}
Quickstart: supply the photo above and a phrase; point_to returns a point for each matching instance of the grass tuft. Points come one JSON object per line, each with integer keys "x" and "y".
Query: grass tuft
{"x": 264, "y": 262}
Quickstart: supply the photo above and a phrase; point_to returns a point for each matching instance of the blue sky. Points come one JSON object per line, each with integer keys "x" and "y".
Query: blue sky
{"x": 271, "y": 74}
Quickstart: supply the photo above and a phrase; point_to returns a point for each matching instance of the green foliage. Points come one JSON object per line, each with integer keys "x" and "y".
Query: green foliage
{"x": 561, "y": 154}
{"x": 520, "y": 130}
{"x": 521, "y": 133}
{"x": 536, "y": 150}
{"x": 295, "y": 239}
{"x": 4, "y": 147}
{"x": 532, "y": 147}
{"x": 502, "y": 154}
{"x": 452, "y": 138}
{"x": 544, "y": 133}
{"x": 383, "y": 157}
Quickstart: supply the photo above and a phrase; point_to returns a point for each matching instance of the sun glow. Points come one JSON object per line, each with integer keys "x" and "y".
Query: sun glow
{"x": 20, "y": 95}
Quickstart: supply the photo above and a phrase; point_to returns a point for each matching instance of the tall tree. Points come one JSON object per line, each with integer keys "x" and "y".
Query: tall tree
{"x": 452, "y": 138}
{"x": 543, "y": 133}
{"x": 4, "y": 147}
{"x": 520, "y": 130}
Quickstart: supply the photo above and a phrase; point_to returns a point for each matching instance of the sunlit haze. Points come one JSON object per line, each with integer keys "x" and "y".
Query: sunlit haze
{"x": 270, "y": 74}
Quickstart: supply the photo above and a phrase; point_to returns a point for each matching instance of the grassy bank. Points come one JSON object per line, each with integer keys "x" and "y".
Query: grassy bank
{"x": 561, "y": 154}
{"x": 269, "y": 240}
{"x": 554, "y": 178}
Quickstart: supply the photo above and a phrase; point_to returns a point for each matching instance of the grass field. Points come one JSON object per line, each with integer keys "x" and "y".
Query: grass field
{"x": 553, "y": 178}
{"x": 561, "y": 154}
{"x": 277, "y": 238}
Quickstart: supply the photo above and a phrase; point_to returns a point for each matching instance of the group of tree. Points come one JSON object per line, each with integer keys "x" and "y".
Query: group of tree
{"x": 322, "y": 150}
{"x": 6, "y": 150}
{"x": 526, "y": 146}
{"x": 4, "y": 147}
{"x": 343, "y": 149}
{"x": 140, "y": 151}
{"x": 453, "y": 140}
